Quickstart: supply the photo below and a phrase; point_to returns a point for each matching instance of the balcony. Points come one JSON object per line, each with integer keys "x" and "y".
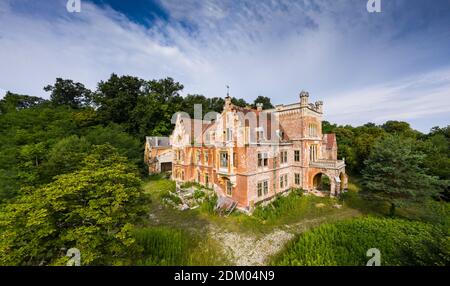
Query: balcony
{"x": 327, "y": 164}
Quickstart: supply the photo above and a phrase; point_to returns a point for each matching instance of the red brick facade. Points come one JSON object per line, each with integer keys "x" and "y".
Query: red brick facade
{"x": 250, "y": 155}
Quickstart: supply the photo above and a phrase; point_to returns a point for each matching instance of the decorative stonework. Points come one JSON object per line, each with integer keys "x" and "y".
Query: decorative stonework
{"x": 245, "y": 165}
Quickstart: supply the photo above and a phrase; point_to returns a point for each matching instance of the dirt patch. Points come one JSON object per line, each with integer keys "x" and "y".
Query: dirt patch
{"x": 246, "y": 250}
{"x": 250, "y": 250}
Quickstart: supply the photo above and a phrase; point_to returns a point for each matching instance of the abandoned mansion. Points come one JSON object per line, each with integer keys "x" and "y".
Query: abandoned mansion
{"x": 249, "y": 155}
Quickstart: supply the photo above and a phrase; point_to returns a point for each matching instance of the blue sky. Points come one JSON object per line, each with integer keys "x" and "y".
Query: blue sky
{"x": 364, "y": 66}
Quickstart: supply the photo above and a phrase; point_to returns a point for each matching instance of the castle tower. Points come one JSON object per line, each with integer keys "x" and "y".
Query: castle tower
{"x": 304, "y": 95}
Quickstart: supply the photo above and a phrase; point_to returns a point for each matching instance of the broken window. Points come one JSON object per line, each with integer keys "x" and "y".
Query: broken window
{"x": 229, "y": 188}
{"x": 224, "y": 159}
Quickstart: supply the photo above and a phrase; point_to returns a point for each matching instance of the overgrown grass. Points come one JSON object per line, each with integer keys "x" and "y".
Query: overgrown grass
{"x": 196, "y": 185}
{"x": 166, "y": 246}
{"x": 161, "y": 246}
{"x": 285, "y": 209}
{"x": 157, "y": 185}
{"x": 400, "y": 242}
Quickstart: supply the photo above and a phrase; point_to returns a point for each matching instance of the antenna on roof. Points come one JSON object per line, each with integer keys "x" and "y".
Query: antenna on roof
{"x": 228, "y": 90}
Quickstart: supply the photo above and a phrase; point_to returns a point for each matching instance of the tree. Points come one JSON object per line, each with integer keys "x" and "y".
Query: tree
{"x": 92, "y": 209}
{"x": 400, "y": 128}
{"x": 64, "y": 157}
{"x": 394, "y": 173}
{"x": 14, "y": 102}
{"x": 69, "y": 93}
{"x": 264, "y": 100}
{"x": 239, "y": 102}
{"x": 143, "y": 107}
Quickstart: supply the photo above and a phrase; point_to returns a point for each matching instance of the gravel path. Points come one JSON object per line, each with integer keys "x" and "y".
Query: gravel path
{"x": 250, "y": 250}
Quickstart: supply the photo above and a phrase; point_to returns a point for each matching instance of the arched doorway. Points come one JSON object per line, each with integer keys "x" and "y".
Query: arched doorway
{"x": 321, "y": 182}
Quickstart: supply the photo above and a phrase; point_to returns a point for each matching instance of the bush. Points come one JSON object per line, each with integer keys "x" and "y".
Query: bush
{"x": 170, "y": 196}
{"x": 400, "y": 242}
{"x": 209, "y": 204}
{"x": 198, "y": 194}
{"x": 282, "y": 205}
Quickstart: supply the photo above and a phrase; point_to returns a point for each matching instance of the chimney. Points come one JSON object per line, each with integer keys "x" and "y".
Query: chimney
{"x": 304, "y": 98}
{"x": 259, "y": 106}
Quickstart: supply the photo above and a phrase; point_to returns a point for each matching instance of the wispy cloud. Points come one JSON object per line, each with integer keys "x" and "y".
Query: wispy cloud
{"x": 366, "y": 67}
{"x": 419, "y": 96}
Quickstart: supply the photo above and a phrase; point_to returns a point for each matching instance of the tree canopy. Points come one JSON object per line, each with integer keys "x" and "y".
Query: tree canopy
{"x": 92, "y": 209}
{"x": 394, "y": 172}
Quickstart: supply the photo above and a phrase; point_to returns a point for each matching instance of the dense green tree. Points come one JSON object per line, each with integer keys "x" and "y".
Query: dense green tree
{"x": 117, "y": 97}
{"x": 15, "y": 102}
{"x": 69, "y": 93}
{"x": 264, "y": 100}
{"x": 239, "y": 102}
{"x": 115, "y": 135}
{"x": 143, "y": 107}
{"x": 394, "y": 173}
{"x": 64, "y": 157}
{"x": 92, "y": 209}
{"x": 400, "y": 128}
{"x": 166, "y": 90}
{"x": 216, "y": 104}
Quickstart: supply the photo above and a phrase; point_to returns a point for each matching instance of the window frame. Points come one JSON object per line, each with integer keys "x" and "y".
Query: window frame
{"x": 296, "y": 155}
{"x": 297, "y": 179}
{"x": 262, "y": 159}
{"x": 221, "y": 159}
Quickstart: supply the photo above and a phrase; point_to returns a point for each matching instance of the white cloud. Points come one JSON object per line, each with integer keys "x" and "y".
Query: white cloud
{"x": 272, "y": 48}
{"x": 85, "y": 47}
{"x": 417, "y": 97}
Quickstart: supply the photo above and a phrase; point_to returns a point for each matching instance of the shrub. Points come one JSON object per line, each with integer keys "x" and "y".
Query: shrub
{"x": 198, "y": 194}
{"x": 170, "y": 196}
{"x": 209, "y": 204}
{"x": 400, "y": 242}
{"x": 282, "y": 205}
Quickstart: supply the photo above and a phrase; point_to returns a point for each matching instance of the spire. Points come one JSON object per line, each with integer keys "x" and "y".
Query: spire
{"x": 228, "y": 98}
